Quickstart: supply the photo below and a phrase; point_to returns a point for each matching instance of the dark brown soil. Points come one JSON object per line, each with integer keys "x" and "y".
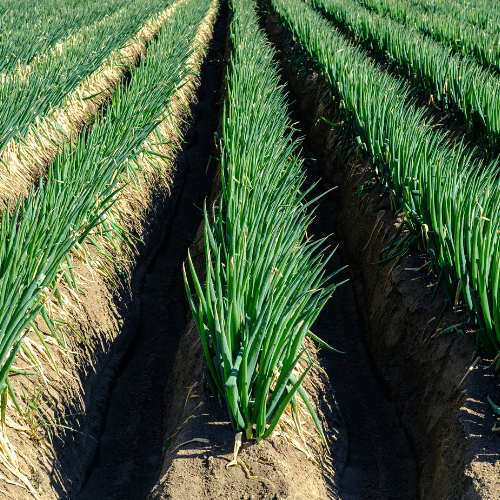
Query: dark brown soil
{"x": 379, "y": 463}
{"x": 131, "y": 443}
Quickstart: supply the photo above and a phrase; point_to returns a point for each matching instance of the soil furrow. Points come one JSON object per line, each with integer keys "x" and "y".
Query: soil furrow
{"x": 131, "y": 443}
{"x": 379, "y": 462}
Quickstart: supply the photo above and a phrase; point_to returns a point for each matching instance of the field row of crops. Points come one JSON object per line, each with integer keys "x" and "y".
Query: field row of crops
{"x": 480, "y": 13}
{"x": 265, "y": 282}
{"x": 450, "y": 202}
{"x": 95, "y": 187}
{"x": 31, "y": 29}
{"x": 454, "y": 83}
{"x": 480, "y": 43}
{"x": 48, "y": 102}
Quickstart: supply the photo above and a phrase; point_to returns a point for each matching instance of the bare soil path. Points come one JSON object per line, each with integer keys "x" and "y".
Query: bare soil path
{"x": 131, "y": 443}
{"x": 380, "y": 465}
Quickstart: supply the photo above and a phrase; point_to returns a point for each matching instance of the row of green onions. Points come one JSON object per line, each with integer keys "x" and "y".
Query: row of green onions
{"x": 482, "y": 44}
{"x": 450, "y": 202}
{"x": 457, "y": 84}
{"x": 83, "y": 184}
{"x": 480, "y": 13}
{"x": 27, "y": 97}
{"x": 265, "y": 282}
{"x": 33, "y": 27}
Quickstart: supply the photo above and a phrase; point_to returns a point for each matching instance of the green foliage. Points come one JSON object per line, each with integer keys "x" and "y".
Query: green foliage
{"x": 457, "y": 84}
{"x": 33, "y": 27}
{"x": 445, "y": 26}
{"x": 82, "y": 185}
{"x": 36, "y": 414}
{"x": 265, "y": 280}
{"x": 26, "y": 97}
{"x": 450, "y": 202}
{"x": 480, "y": 13}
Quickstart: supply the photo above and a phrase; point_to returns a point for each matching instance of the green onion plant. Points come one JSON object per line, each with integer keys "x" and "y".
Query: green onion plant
{"x": 265, "y": 279}
{"x": 82, "y": 186}
{"x": 457, "y": 84}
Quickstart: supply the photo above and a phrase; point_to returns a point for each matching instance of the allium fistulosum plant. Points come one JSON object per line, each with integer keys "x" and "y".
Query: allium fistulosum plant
{"x": 455, "y": 83}
{"x": 479, "y": 42}
{"x": 450, "y": 202}
{"x": 265, "y": 281}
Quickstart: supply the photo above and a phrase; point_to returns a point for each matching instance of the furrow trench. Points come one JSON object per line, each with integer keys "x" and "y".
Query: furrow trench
{"x": 380, "y": 462}
{"x": 131, "y": 442}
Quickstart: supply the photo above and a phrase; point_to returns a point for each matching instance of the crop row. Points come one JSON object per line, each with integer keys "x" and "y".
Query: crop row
{"x": 463, "y": 38}
{"x": 29, "y": 98}
{"x": 450, "y": 202}
{"x": 76, "y": 204}
{"x": 30, "y": 28}
{"x": 456, "y": 84}
{"x": 265, "y": 282}
{"x": 480, "y": 13}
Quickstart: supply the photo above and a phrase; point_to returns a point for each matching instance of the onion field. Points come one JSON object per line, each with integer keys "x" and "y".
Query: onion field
{"x": 453, "y": 27}
{"x": 433, "y": 183}
{"x": 452, "y": 82}
{"x": 269, "y": 309}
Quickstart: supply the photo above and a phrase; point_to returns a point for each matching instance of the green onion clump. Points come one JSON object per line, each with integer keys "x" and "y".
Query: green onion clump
{"x": 265, "y": 279}
{"x": 480, "y": 41}
{"x": 451, "y": 203}
{"x": 457, "y": 84}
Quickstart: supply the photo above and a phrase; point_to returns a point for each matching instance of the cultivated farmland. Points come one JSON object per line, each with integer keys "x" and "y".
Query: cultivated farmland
{"x": 249, "y": 249}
